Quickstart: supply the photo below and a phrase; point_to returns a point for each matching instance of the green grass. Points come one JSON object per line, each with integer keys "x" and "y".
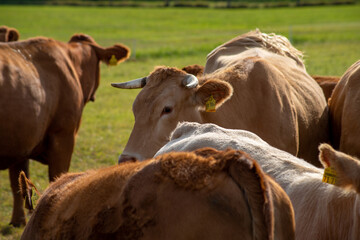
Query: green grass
{"x": 329, "y": 36}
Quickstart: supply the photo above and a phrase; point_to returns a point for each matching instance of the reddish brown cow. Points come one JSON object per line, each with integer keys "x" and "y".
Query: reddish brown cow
{"x": 206, "y": 194}
{"x": 8, "y": 34}
{"x": 44, "y": 86}
{"x": 345, "y": 112}
{"x": 195, "y": 69}
{"x": 327, "y": 84}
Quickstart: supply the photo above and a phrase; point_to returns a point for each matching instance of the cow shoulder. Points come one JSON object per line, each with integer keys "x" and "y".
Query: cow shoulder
{"x": 249, "y": 176}
{"x": 283, "y": 211}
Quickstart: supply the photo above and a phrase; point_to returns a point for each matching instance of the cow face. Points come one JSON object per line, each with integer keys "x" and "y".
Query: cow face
{"x": 86, "y": 55}
{"x": 169, "y": 96}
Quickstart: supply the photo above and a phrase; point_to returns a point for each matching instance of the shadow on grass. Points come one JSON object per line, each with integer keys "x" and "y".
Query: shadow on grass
{"x": 7, "y": 230}
{"x": 10, "y": 232}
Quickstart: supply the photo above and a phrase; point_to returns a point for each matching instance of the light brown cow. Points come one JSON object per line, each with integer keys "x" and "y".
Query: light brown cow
{"x": 345, "y": 112}
{"x": 261, "y": 85}
{"x": 44, "y": 86}
{"x": 8, "y": 34}
{"x": 206, "y": 194}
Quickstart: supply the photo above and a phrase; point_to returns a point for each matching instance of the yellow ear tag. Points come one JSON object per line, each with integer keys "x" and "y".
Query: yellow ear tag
{"x": 210, "y": 104}
{"x": 329, "y": 175}
{"x": 113, "y": 60}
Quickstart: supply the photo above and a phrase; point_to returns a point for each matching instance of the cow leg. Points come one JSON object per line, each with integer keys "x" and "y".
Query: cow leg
{"x": 59, "y": 153}
{"x": 18, "y": 215}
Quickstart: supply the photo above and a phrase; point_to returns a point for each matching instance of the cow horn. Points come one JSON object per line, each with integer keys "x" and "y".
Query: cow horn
{"x": 137, "y": 83}
{"x": 190, "y": 81}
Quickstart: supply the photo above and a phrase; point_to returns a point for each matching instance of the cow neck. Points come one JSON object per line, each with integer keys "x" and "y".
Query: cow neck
{"x": 88, "y": 74}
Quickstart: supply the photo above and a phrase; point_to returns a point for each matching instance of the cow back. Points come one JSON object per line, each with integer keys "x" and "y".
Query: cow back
{"x": 275, "y": 98}
{"x": 206, "y": 195}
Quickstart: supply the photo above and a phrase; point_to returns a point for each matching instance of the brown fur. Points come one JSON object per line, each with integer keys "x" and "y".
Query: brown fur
{"x": 49, "y": 82}
{"x": 327, "y": 84}
{"x": 120, "y": 51}
{"x": 8, "y": 34}
{"x": 345, "y": 112}
{"x": 26, "y": 187}
{"x": 162, "y": 73}
{"x": 195, "y": 69}
{"x": 206, "y": 194}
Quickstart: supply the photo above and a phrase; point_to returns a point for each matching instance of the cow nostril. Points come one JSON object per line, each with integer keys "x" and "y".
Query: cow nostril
{"x": 126, "y": 158}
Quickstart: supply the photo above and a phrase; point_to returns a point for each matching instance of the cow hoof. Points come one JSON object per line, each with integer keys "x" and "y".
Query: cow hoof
{"x": 18, "y": 223}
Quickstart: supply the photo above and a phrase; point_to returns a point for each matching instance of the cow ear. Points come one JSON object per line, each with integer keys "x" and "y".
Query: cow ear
{"x": 13, "y": 35}
{"x": 219, "y": 90}
{"x": 8, "y": 34}
{"x": 80, "y": 37}
{"x": 113, "y": 55}
{"x": 195, "y": 69}
{"x": 347, "y": 168}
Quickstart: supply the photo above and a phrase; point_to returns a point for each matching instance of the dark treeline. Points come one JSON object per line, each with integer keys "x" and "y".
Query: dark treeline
{"x": 185, "y": 3}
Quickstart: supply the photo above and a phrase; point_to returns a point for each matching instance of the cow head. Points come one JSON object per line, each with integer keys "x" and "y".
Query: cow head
{"x": 169, "y": 96}
{"x": 86, "y": 55}
{"x": 8, "y": 34}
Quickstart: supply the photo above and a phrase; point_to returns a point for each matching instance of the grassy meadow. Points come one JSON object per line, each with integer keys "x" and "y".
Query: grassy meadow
{"x": 329, "y": 37}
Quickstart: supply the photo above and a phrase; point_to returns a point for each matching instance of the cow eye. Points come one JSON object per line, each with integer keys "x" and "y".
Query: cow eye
{"x": 166, "y": 110}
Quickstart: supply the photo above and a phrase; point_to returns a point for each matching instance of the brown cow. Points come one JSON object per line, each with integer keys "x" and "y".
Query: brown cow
{"x": 327, "y": 84}
{"x": 345, "y": 112}
{"x": 44, "y": 86}
{"x": 261, "y": 85}
{"x": 206, "y": 194}
{"x": 8, "y": 34}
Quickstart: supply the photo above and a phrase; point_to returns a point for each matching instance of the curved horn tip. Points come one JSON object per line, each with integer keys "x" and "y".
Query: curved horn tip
{"x": 117, "y": 85}
{"x": 190, "y": 81}
{"x": 136, "y": 83}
